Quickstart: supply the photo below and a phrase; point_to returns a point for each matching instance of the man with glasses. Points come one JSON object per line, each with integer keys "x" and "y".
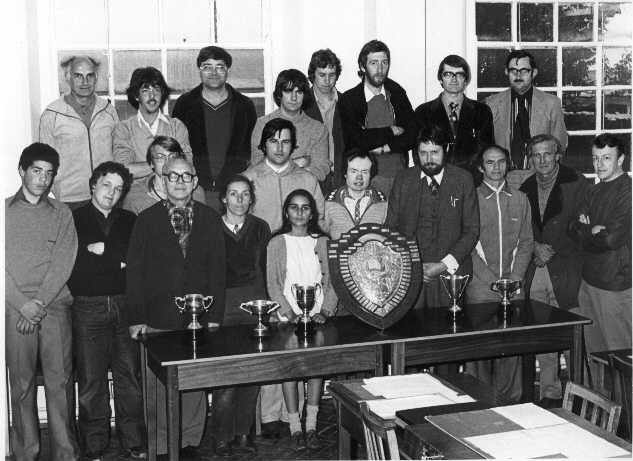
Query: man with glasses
{"x": 220, "y": 121}
{"x": 468, "y": 122}
{"x": 78, "y": 125}
{"x": 176, "y": 248}
{"x": 523, "y": 111}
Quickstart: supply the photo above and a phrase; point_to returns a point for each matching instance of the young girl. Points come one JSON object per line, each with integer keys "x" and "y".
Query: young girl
{"x": 298, "y": 254}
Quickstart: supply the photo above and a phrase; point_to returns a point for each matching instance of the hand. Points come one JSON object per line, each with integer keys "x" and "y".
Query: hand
{"x": 431, "y": 271}
{"x": 33, "y": 311}
{"x": 137, "y": 330}
{"x": 25, "y": 327}
{"x": 303, "y": 162}
{"x": 96, "y": 248}
{"x": 596, "y": 229}
{"x": 318, "y": 318}
{"x": 397, "y": 131}
{"x": 584, "y": 219}
{"x": 377, "y": 150}
{"x": 123, "y": 265}
{"x": 543, "y": 252}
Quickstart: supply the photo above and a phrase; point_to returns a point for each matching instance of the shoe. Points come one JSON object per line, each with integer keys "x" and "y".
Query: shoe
{"x": 223, "y": 448}
{"x": 136, "y": 454}
{"x": 189, "y": 453}
{"x": 312, "y": 440}
{"x": 547, "y": 402}
{"x": 271, "y": 430}
{"x": 243, "y": 443}
{"x": 297, "y": 443}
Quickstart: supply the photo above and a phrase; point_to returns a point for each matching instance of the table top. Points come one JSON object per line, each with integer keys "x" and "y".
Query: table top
{"x": 603, "y": 356}
{"x": 224, "y": 343}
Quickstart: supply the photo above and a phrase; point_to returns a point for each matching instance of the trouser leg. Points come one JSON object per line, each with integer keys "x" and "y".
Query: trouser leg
{"x": 246, "y": 399}
{"x": 193, "y": 417}
{"x": 223, "y": 413}
{"x": 271, "y": 402}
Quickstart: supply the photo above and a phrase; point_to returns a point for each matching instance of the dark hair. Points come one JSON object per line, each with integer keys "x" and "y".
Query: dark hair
{"x": 106, "y": 168}
{"x": 503, "y": 150}
{"x": 68, "y": 62}
{"x": 274, "y": 126}
{"x": 313, "y": 224}
{"x": 214, "y": 52}
{"x": 288, "y": 80}
{"x": 322, "y": 59}
{"x": 454, "y": 60}
{"x": 39, "y": 151}
{"x": 520, "y": 54}
{"x": 373, "y": 46}
{"x": 144, "y": 76}
{"x": 609, "y": 140}
{"x": 356, "y": 152}
{"x": 233, "y": 179}
{"x": 433, "y": 134}
{"x": 541, "y": 138}
{"x": 166, "y": 142}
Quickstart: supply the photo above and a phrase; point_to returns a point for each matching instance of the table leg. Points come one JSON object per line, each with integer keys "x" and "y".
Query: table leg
{"x": 380, "y": 361}
{"x": 528, "y": 373}
{"x": 344, "y": 437}
{"x": 397, "y": 358}
{"x": 575, "y": 356}
{"x": 149, "y": 397}
{"x": 173, "y": 413}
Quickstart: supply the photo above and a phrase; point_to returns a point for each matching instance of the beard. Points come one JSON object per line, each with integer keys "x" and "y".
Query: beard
{"x": 431, "y": 169}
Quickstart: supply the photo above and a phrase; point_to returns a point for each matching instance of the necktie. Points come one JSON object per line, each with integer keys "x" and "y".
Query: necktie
{"x": 357, "y": 210}
{"x": 453, "y": 117}
{"x": 433, "y": 185}
{"x": 520, "y": 134}
{"x": 236, "y": 229}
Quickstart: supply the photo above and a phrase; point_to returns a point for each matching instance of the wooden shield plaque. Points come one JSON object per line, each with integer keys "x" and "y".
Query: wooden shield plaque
{"x": 376, "y": 273}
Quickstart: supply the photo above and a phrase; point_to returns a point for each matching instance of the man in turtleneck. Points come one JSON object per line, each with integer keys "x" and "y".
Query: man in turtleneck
{"x": 554, "y": 192}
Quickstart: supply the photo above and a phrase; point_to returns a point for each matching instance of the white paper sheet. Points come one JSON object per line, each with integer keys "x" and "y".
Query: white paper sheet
{"x": 511, "y": 445}
{"x": 386, "y": 408}
{"x": 391, "y": 387}
{"x": 528, "y": 415}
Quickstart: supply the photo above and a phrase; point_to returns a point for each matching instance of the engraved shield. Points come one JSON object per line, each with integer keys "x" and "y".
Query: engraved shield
{"x": 376, "y": 273}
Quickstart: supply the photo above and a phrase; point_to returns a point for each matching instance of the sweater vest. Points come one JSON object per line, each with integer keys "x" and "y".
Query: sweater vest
{"x": 427, "y": 232}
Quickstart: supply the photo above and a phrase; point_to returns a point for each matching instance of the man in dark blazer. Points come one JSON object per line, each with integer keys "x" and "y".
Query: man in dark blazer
{"x": 176, "y": 248}
{"x": 436, "y": 204}
{"x": 468, "y": 122}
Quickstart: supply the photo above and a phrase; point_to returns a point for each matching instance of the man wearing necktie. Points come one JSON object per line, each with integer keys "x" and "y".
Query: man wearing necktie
{"x": 436, "y": 204}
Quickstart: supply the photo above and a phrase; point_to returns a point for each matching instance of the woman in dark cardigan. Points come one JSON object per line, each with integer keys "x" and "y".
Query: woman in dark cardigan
{"x": 246, "y": 238}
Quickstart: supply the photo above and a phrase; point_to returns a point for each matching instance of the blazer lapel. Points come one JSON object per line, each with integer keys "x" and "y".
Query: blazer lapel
{"x": 171, "y": 241}
{"x": 466, "y": 119}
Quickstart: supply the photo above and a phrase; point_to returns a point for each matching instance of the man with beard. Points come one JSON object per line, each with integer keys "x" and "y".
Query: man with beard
{"x": 436, "y": 204}
{"x": 377, "y": 116}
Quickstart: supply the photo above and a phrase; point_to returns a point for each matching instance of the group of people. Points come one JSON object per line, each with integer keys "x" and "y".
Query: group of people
{"x": 214, "y": 200}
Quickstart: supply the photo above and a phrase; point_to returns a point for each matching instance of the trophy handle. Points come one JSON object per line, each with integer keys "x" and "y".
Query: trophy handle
{"x": 181, "y": 306}
{"x": 273, "y": 308}
{"x": 245, "y": 309}
{"x": 207, "y": 301}
{"x": 317, "y": 289}
{"x": 493, "y": 287}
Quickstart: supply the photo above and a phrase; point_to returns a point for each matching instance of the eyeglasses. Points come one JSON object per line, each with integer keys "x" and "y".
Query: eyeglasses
{"x": 210, "y": 68}
{"x": 523, "y": 71}
{"x": 90, "y": 78}
{"x": 184, "y": 177}
{"x": 147, "y": 89}
{"x": 162, "y": 156}
{"x": 450, "y": 75}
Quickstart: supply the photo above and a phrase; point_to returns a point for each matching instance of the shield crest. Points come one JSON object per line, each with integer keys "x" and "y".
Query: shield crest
{"x": 376, "y": 273}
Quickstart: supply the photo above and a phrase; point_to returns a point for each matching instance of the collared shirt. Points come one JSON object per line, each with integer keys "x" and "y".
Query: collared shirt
{"x": 438, "y": 177}
{"x": 370, "y": 94}
{"x": 19, "y": 196}
{"x": 84, "y": 111}
{"x": 327, "y": 107}
{"x": 181, "y": 219}
{"x": 152, "y": 127}
{"x": 105, "y": 222}
{"x": 497, "y": 190}
{"x": 351, "y": 203}
{"x": 446, "y": 102}
{"x": 277, "y": 169}
{"x": 235, "y": 228}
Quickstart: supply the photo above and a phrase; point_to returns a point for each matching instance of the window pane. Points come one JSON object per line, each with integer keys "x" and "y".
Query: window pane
{"x": 126, "y": 61}
{"x": 579, "y": 108}
{"x": 182, "y": 73}
{"x": 493, "y": 21}
{"x": 575, "y": 22}
{"x": 616, "y": 109}
{"x": 535, "y": 22}
{"x": 578, "y": 154}
{"x": 482, "y": 95}
{"x": 124, "y": 109}
{"x": 260, "y": 106}
{"x": 490, "y": 67}
{"x": 616, "y": 64}
{"x": 194, "y": 24}
{"x": 579, "y": 66}
{"x": 73, "y": 28}
{"x": 546, "y": 63}
{"x": 614, "y": 21}
{"x": 101, "y": 56}
{"x": 247, "y": 71}
{"x": 125, "y": 17}
{"x": 239, "y": 21}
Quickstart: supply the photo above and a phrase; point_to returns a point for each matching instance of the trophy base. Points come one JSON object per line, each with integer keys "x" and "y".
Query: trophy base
{"x": 304, "y": 330}
{"x": 504, "y": 312}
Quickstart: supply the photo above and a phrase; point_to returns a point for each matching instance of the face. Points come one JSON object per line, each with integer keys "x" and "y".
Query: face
{"x": 37, "y": 178}
{"x": 149, "y": 98}
{"x": 358, "y": 174}
{"x": 520, "y": 74}
{"x": 299, "y": 211}
{"x": 325, "y": 79}
{"x": 279, "y": 148}
{"x": 607, "y": 163}
{"x": 544, "y": 158}
{"x": 159, "y": 156}
{"x": 179, "y": 190}
{"x": 292, "y": 100}
{"x": 377, "y": 68}
{"x": 82, "y": 79}
{"x": 495, "y": 166}
{"x": 453, "y": 79}
{"x": 238, "y": 198}
{"x": 107, "y": 191}
{"x": 213, "y": 73}
{"x": 431, "y": 158}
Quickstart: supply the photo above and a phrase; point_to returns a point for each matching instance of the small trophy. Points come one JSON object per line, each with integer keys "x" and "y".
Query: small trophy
{"x": 261, "y": 308}
{"x": 197, "y": 304}
{"x": 306, "y": 297}
{"x": 507, "y": 288}
{"x": 455, "y": 285}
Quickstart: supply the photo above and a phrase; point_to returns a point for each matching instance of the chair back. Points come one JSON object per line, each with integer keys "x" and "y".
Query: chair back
{"x": 623, "y": 371}
{"x": 380, "y": 435}
{"x": 593, "y": 407}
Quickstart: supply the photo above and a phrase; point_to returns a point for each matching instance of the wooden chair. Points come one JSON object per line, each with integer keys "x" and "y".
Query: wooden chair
{"x": 622, "y": 368}
{"x": 378, "y": 433}
{"x": 599, "y": 411}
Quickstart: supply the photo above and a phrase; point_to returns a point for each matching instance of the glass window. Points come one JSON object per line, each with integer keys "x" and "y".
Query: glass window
{"x": 579, "y": 110}
{"x": 71, "y": 26}
{"x": 239, "y": 21}
{"x": 616, "y": 109}
{"x": 199, "y": 21}
{"x": 614, "y": 21}
{"x": 616, "y": 64}
{"x": 182, "y": 72}
{"x": 578, "y": 154}
{"x": 575, "y": 22}
{"x": 546, "y": 62}
{"x": 125, "y": 61}
{"x": 579, "y": 66}
{"x": 491, "y": 67}
{"x": 124, "y": 17}
{"x": 535, "y": 22}
{"x": 493, "y": 21}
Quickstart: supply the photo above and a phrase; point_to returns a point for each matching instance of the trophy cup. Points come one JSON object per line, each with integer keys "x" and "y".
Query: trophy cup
{"x": 260, "y": 308}
{"x": 197, "y": 304}
{"x": 507, "y": 288}
{"x": 305, "y": 296}
{"x": 455, "y": 285}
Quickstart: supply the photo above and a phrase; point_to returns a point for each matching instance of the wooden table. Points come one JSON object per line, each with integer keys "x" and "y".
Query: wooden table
{"x": 602, "y": 360}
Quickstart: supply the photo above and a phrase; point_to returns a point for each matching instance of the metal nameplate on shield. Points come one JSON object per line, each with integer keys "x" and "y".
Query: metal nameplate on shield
{"x": 376, "y": 273}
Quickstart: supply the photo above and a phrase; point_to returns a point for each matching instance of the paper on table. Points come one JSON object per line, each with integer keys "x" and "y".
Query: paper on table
{"x": 386, "y": 408}
{"x": 528, "y": 415}
{"x": 510, "y": 445}
{"x": 406, "y": 386}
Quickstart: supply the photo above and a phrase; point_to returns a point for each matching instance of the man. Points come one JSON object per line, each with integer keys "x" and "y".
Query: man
{"x": 100, "y": 330}
{"x": 523, "y": 111}
{"x": 275, "y": 176}
{"x": 220, "y": 120}
{"x": 603, "y": 228}
{"x": 436, "y": 204}
{"x": 468, "y": 122}
{"x": 147, "y": 92}
{"x": 555, "y": 192}
{"x": 311, "y": 150}
{"x": 40, "y": 249}
{"x": 323, "y": 72}
{"x": 79, "y": 126}
{"x": 176, "y": 248}
{"x": 377, "y": 116}
{"x": 504, "y": 250}
{"x": 356, "y": 202}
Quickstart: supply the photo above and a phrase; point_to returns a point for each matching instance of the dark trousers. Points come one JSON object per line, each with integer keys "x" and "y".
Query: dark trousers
{"x": 102, "y": 341}
{"x": 233, "y": 411}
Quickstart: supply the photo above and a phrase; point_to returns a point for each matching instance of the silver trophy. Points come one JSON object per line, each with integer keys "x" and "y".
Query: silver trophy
{"x": 197, "y": 304}
{"x": 507, "y": 288}
{"x": 261, "y": 308}
{"x": 306, "y": 297}
{"x": 455, "y": 285}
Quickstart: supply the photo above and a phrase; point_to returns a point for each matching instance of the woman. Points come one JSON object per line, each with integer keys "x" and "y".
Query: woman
{"x": 245, "y": 237}
{"x": 298, "y": 254}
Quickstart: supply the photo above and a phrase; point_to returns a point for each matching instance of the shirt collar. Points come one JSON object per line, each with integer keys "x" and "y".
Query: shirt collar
{"x": 527, "y": 95}
{"x": 154, "y": 125}
{"x": 320, "y": 98}
{"x": 369, "y": 94}
{"x": 277, "y": 169}
{"x": 446, "y": 102}
{"x": 502, "y": 188}
{"x": 19, "y": 196}
{"x": 345, "y": 194}
{"x": 438, "y": 177}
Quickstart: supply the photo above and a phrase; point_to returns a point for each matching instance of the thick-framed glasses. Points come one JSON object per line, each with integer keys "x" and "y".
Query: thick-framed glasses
{"x": 523, "y": 71}
{"x": 451, "y": 75}
{"x": 147, "y": 89}
{"x": 184, "y": 177}
{"x": 210, "y": 68}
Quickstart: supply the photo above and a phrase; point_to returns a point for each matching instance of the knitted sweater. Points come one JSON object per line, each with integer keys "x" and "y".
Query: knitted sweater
{"x": 312, "y": 141}
{"x": 338, "y": 218}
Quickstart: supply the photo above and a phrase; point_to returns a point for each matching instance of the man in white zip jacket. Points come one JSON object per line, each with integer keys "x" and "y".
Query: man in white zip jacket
{"x": 504, "y": 250}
